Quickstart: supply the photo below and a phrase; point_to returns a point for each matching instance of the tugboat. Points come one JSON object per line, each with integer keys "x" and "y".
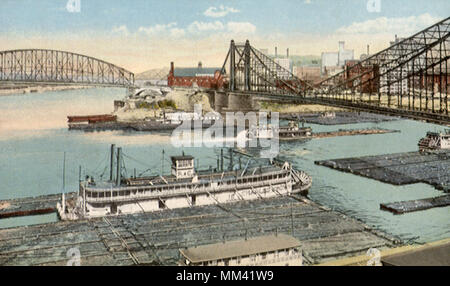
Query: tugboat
{"x": 435, "y": 141}
{"x": 186, "y": 186}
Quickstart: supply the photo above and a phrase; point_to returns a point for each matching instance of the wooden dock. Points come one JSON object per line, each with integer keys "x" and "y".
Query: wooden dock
{"x": 30, "y": 206}
{"x": 416, "y": 205}
{"x": 155, "y": 238}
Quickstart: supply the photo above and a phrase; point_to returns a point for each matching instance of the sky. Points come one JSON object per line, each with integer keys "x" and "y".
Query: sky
{"x": 140, "y": 35}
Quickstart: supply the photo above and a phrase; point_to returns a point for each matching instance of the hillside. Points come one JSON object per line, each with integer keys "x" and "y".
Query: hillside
{"x": 153, "y": 74}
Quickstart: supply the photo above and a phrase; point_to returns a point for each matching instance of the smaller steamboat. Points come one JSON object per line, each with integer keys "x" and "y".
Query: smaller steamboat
{"x": 435, "y": 141}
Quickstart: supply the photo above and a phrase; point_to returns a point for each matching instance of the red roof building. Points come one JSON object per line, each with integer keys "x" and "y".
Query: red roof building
{"x": 200, "y": 76}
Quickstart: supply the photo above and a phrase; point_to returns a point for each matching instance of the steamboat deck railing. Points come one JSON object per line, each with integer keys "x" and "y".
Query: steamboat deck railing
{"x": 139, "y": 193}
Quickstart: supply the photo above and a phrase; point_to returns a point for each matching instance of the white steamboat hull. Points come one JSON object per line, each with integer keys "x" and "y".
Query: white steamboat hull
{"x": 186, "y": 201}
{"x": 136, "y": 204}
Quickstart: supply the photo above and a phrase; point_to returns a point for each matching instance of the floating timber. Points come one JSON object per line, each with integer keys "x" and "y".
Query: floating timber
{"x": 400, "y": 168}
{"x": 30, "y": 206}
{"x": 155, "y": 238}
{"x": 294, "y": 132}
{"x": 416, "y": 205}
{"x": 352, "y": 132}
{"x": 338, "y": 118}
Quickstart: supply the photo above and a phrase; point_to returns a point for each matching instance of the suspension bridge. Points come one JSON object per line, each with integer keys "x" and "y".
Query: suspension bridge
{"x": 410, "y": 78}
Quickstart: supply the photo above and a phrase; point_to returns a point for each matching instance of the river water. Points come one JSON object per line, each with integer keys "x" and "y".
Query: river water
{"x": 34, "y": 138}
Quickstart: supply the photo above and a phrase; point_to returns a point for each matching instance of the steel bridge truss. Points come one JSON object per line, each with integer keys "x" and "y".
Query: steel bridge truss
{"x": 411, "y": 75}
{"x": 251, "y": 70}
{"x": 51, "y": 66}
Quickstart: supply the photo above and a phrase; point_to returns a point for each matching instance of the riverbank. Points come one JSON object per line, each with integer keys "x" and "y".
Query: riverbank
{"x": 9, "y": 89}
{"x": 389, "y": 255}
{"x": 298, "y": 108}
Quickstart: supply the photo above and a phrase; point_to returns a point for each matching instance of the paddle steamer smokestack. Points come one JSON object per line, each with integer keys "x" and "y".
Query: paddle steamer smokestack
{"x": 231, "y": 160}
{"x": 111, "y": 166}
{"x": 119, "y": 154}
{"x": 221, "y": 160}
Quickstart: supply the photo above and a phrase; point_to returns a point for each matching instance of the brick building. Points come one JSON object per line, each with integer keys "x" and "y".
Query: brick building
{"x": 369, "y": 72}
{"x": 310, "y": 74}
{"x": 199, "y": 76}
{"x": 439, "y": 80}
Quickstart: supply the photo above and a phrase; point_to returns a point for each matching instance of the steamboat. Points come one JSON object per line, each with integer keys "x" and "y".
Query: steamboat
{"x": 186, "y": 186}
{"x": 435, "y": 141}
{"x": 292, "y": 131}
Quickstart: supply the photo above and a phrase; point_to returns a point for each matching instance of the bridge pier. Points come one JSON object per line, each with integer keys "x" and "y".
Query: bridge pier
{"x": 220, "y": 101}
{"x": 240, "y": 101}
{"x": 131, "y": 90}
{"x": 233, "y": 101}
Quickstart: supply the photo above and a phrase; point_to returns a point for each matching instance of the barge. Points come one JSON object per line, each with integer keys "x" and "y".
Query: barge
{"x": 184, "y": 187}
{"x": 91, "y": 118}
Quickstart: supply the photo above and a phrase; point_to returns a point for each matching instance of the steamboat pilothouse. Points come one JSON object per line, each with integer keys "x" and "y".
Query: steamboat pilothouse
{"x": 186, "y": 186}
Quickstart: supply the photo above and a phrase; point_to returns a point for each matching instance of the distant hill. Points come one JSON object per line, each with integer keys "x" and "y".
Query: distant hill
{"x": 153, "y": 74}
{"x": 307, "y": 60}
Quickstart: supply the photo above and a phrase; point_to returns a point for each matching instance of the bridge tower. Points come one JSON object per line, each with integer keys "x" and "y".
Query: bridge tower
{"x": 251, "y": 70}
{"x": 232, "y": 54}
{"x": 247, "y": 83}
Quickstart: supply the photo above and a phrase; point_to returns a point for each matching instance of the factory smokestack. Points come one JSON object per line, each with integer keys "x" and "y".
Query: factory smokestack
{"x": 287, "y": 53}
{"x": 276, "y": 52}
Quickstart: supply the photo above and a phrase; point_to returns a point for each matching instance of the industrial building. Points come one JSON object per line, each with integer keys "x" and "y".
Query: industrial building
{"x": 389, "y": 83}
{"x": 284, "y": 62}
{"x": 198, "y": 76}
{"x": 333, "y": 62}
{"x": 369, "y": 72}
{"x": 398, "y": 81}
{"x": 309, "y": 73}
{"x": 437, "y": 79}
